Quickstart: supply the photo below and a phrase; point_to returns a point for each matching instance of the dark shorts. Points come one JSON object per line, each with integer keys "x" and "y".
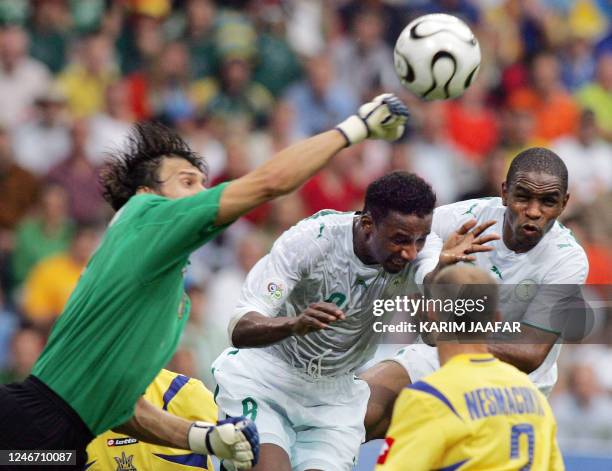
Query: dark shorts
{"x": 33, "y": 417}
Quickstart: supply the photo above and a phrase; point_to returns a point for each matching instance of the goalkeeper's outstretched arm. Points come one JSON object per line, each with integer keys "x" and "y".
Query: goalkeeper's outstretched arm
{"x": 382, "y": 118}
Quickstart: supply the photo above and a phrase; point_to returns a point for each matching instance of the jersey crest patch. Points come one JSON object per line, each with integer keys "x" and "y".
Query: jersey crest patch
{"x": 526, "y": 290}
{"x": 124, "y": 463}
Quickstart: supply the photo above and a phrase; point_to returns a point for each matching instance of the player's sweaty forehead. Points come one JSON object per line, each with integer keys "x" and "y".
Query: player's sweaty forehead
{"x": 410, "y": 225}
{"x": 537, "y": 184}
{"x": 175, "y": 167}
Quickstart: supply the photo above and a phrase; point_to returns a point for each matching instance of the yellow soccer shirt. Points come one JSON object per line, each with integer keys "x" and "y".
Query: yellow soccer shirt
{"x": 179, "y": 395}
{"x": 474, "y": 413}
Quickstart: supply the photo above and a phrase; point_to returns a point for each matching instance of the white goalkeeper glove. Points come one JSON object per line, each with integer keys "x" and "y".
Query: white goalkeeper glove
{"x": 382, "y": 118}
{"x": 234, "y": 439}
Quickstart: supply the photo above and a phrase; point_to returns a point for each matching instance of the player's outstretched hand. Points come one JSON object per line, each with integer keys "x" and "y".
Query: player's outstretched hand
{"x": 234, "y": 439}
{"x": 466, "y": 240}
{"x": 382, "y": 118}
{"x": 317, "y": 316}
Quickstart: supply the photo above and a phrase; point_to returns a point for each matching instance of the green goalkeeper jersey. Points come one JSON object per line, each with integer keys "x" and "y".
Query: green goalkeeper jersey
{"x": 125, "y": 317}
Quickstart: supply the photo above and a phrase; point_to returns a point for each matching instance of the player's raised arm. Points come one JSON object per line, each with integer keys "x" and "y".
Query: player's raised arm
{"x": 382, "y": 118}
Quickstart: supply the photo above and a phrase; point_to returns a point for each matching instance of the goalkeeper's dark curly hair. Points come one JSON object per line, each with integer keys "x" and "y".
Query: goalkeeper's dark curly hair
{"x": 137, "y": 164}
{"x": 403, "y": 192}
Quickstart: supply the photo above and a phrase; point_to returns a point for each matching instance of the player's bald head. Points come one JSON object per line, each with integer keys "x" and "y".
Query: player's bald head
{"x": 464, "y": 274}
{"x": 472, "y": 290}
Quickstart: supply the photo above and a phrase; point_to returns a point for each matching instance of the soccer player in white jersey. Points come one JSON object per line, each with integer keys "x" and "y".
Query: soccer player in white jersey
{"x": 308, "y": 303}
{"x": 534, "y": 250}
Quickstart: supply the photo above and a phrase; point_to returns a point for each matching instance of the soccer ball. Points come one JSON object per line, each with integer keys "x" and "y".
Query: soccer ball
{"x": 437, "y": 56}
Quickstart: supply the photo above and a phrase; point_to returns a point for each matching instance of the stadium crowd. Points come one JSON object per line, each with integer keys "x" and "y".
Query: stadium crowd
{"x": 243, "y": 79}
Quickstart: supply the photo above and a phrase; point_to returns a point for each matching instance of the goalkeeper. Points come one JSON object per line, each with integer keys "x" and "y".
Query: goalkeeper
{"x": 125, "y": 317}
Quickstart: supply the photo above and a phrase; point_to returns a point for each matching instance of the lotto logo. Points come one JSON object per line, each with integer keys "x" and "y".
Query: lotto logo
{"x": 384, "y": 452}
{"x": 121, "y": 441}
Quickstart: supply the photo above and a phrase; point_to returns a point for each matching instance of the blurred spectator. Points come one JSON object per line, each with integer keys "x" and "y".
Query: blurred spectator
{"x": 336, "y": 186}
{"x": 18, "y": 187}
{"x": 598, "y": 254}
{"x": 577, "y": 63}
{"x": 286, "y": 212}
{"x": 48, "y": 231}
{"x": 472, "y": 125}
{"x": 78, "y": 177}
{"x": 364, "y": 62}
{"x": 141, "y": 40}
{"x": 26, "y": 346}
{"x": 169, "y": 93}
{"x": 494, "y": 173}
{"x": 305, "y": 25}
{"x": 238, "y": 165}
{"x": 588, "y": 159}
{"x": 43, "y": 141}
{"x": 279, "y": 134}
{"x": 321, "y": 101}
{"x": 51, "y": 281}
{"x": 22, "y": 79}
{"x": 277, "y": 64}
{"x": 219, "y": 311}
{"x": 597, "y": 96}
{"x": 202, "y": 339}
{"x": 85, "y": 80}
{"x": 432, "y": 156}
{"x": 235, "y": 95}
{"x": 462, "y": 8}
{"x": 555, "y": 112}
{"x": 584, "y": 412}
{"x": 49, "y": 32}
{"x": 200, "y": 16}
{"x": 199, "y": 133}
{"x": 108, "y": 129}
{"x": 517, "y": 133}
{"x": 184, "y": 362}
{"x": 8, "y": 326}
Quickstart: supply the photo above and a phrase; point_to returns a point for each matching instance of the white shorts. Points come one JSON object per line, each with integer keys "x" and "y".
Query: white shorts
{"x": 319, "y": 423}
{"x": 420, "y": 360}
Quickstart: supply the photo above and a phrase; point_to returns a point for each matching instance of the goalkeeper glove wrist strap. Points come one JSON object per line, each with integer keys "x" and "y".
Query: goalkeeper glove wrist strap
{"x": 354, "y": 129}
{"x": 198, "y": 438}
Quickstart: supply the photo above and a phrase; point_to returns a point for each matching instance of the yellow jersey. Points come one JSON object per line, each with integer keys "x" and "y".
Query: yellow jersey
{"x": 474, "y": 413}
{"x": 179, "y": 395}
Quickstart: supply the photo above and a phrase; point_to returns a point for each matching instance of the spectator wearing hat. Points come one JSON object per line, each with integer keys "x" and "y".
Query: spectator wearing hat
{"x": 44, "y": 140}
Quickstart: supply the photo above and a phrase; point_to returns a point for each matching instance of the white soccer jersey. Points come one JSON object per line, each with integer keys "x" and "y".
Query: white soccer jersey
{"x": 556, "y": 260}
{"x": 315, "y": 261}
